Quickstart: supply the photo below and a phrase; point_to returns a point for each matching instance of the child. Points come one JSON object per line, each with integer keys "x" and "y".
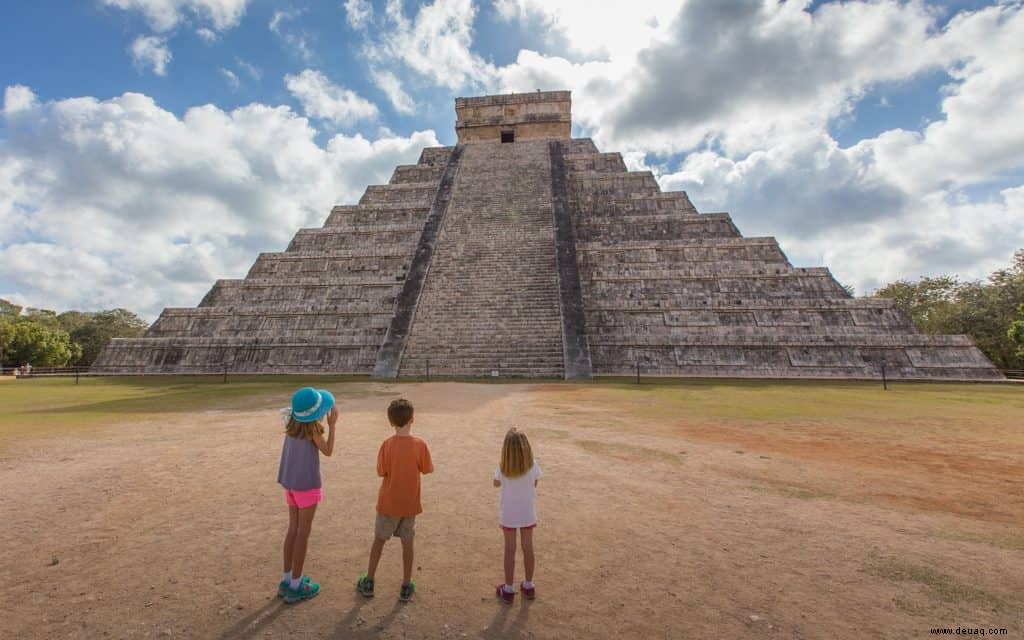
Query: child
{"x": 299, "y": 474}
{"x": 517, "y": 476}
{"x": 400, "y": 461}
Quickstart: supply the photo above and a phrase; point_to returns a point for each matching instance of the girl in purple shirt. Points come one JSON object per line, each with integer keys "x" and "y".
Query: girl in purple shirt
{"x": 299, "y": 474}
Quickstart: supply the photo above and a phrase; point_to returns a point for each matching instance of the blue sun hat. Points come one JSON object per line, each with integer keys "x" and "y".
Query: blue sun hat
{"x": 309, "y": 404}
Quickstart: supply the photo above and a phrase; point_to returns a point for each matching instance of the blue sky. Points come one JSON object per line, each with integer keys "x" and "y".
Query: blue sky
{"x": 149, "y": 147}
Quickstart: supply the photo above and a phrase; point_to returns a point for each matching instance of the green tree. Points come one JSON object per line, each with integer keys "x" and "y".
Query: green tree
{"x": 1016, "y": 332}
{"x": 984, "y": 310}
{"x": 9, "y": 308}
{"x": 71, "y": 320}
{"x": 93, "y": 334}
{"x": 29, "y": 341}
{"x": 930, "y": 302}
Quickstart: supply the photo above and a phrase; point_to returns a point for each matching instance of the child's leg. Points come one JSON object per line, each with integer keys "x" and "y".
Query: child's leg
{"x": 289, "y": 538}
{"x": 510, "y": 554}
{"x": 407, "y": 559}
{"x": 375, "y": 551}
{"x": 527, "y": 536}
{"x": 302, "y": 540}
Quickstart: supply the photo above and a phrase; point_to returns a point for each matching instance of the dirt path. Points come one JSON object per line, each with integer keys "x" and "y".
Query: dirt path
{"x": 172, "y": 529}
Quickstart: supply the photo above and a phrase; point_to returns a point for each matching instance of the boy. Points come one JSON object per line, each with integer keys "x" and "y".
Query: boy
{"x": 400, "y": 461}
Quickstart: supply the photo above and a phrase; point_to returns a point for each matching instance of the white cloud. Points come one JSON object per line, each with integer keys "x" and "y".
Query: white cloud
{"x": 249, "y": 69}
{"x": 207, "y": 35}
{"x": 297, "y": 40}
{"x": 434, "y": 44}
{"x": 152, "y": 52}
{"x": 230, "y": 76}
{"x": 595, "y": 29}
{"x": 392, "y": 88}
{"x": 164, "y": 15}
{"x": 321, "y": 98}
{"x": 18, "y": 98}
{"x": 359, "y": 13}
{"x": 148, "y": 209}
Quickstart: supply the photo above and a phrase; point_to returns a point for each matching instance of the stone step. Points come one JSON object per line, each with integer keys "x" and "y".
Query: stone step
{"x": 435, "y": 155}
{"x": 416, "y": 173}
{"x": 391, "y": 241}
{"x": 595, "y": 162}
{"x": 416, "y": 194}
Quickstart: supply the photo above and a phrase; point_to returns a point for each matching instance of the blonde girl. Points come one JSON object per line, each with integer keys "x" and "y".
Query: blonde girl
{"x": 299, "y": 474}
{"x": 517, "y": 477}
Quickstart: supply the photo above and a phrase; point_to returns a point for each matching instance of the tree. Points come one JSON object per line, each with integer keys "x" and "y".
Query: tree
{"x": 29, "y": 341}
{"x": 93, "y": 334}
{"x": 987, "y": 311}
{"x": 1016, "y": 332}
{"x": 930, "y": 302}
{"x": 9, "y": 308}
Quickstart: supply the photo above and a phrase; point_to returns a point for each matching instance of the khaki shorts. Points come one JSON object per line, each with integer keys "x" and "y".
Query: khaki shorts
{"x": 399, "y": 527}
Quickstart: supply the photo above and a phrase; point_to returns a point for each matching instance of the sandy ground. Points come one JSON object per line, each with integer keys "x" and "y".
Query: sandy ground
{"x": 173, "y": 528}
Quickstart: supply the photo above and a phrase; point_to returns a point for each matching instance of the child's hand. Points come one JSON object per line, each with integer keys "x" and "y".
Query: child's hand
{"x": 332, "y": 417}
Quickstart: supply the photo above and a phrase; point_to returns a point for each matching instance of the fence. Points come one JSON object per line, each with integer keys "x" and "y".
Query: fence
{"x": 411, "y": 368}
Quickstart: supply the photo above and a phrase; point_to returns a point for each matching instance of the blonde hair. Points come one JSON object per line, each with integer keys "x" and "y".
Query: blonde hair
{"x": 303, "y": 430}
{"x": 516, "y": 454}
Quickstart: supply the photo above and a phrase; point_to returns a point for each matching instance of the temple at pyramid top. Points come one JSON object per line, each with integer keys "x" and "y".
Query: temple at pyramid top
{"x": 541, "y": 115}
{"x": 521, "y": 251}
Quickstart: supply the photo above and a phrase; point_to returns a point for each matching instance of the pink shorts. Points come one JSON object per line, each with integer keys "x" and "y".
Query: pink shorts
{"x": 303, "y": 499}
{"x": 504, "y": 528}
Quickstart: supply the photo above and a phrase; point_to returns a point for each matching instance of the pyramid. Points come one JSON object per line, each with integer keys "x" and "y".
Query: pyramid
{"x": 522, "y": 251}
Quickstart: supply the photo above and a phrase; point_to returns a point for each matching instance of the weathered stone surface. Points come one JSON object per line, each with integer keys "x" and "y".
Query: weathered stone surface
{"x": 543, "y": 257}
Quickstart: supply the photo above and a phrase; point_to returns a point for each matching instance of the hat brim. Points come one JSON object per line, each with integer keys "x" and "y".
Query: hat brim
{"x": 326, "y": 402}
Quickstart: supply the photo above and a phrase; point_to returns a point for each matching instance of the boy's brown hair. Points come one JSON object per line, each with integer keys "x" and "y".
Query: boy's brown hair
{"x": 399, "y": 412}
{"x": 303, "y": 430}
{"x": 516, "y": 454}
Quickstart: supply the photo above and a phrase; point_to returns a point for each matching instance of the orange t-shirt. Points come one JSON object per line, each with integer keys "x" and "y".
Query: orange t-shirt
{"x": 400, "y": 462}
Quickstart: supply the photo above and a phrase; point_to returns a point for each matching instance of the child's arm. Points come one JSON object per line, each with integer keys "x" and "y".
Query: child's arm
{"x": 426, "y": 464}
{"x": 327, "y": 448}
{"x": 382, "y": 468}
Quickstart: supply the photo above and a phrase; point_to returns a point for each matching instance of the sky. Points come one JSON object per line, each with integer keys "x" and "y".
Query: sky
{"x": 150, "y": 147}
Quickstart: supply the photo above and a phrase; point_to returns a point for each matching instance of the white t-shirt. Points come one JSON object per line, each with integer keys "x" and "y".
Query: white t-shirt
{"x": 518, "y": 507}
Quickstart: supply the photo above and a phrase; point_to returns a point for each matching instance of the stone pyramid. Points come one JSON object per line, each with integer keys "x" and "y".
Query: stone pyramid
{"x": 524, "y": 252}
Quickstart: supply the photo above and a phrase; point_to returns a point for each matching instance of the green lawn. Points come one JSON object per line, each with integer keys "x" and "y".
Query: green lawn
{"x": 43, "y": 404}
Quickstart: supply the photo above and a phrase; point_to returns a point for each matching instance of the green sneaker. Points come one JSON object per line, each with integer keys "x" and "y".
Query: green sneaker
{"x": 306, "y": 591}
{"x": 405, "y": 595}
{"x": 282, "y": 587}
{"x": 365, "y": 586}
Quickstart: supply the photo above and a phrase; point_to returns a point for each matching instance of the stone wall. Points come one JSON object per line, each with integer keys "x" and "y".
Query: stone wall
{"x": 683, "y": 293}
{"x": 529, "y": 116}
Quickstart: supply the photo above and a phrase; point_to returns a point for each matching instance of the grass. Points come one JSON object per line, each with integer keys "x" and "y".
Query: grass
{"x": 41, "y": 405}
{"x": 626, "y": 452}
{"x": 916, "y": 409}
{"x": 941, "y": 586}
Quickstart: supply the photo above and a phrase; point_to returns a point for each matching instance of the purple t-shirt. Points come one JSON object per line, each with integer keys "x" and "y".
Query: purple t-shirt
{"x": 300, "y": 465}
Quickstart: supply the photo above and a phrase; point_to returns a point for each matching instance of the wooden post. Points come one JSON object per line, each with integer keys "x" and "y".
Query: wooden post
{"x": 638, "y": 372}
{"x": 225, "y": 373}
{"x": 76, "y": 375}
{"x": 885, "y": 385}
{"x": 428, "y": 369}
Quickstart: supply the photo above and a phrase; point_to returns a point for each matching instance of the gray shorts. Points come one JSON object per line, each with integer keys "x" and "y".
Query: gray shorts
{"x": 399, "y": 527}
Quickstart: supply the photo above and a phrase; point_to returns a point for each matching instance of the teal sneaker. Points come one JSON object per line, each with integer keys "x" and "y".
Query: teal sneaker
{"x": 405, "y": 595}
{"x": 365, "y": 586}
{"x": 282, "y": 587}
{"x": 306, "y": 591}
